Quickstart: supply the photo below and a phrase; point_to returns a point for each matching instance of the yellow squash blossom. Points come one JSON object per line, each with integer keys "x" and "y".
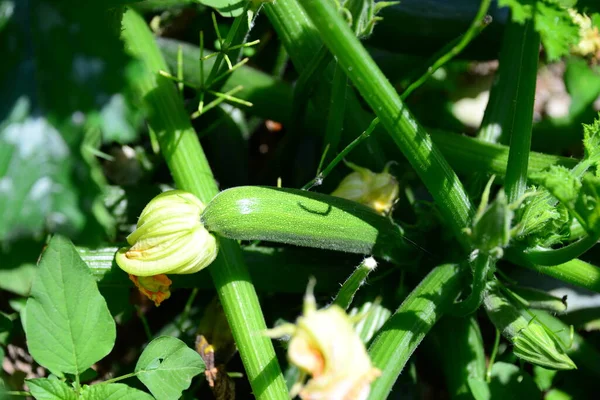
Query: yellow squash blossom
{"x": 169, "y": 239}
{"x": 325, "y": 346}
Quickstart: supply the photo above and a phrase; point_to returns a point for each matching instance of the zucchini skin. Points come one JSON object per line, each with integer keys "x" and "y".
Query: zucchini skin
{"x": 304, "y": 218}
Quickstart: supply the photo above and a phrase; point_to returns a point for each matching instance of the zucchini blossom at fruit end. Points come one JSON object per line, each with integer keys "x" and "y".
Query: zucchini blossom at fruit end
{"x": 169, "y": 238}
{"x": 325, "y": 346}
{"x": 377, "y": 191}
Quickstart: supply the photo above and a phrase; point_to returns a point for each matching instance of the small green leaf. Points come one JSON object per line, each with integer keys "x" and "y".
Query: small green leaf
{"x": 167, "y": 367}
{"x": 591, "y": 136}
{"x": 557, "y": 30}
{"x": 552, "y": 20}
{"x": 227, "y": 8}
{"x": 113, "y": 391}
{"x": 561, "y": 183}
{"x": 50, "y": 389}
{"x": 68, "y": 325}
{"x": 543, "y": 377}
{"x": 511, "y": 382}
{"x": 479, "y": 388}
{"x": 522, "y": 10}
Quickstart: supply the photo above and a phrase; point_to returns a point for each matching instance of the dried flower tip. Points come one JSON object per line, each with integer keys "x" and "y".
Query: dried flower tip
{"x": 155, "y": 287}
{"x": 169, "y": 238}
{"x": 325, "y": 345}
{"x": 377, "y": 191}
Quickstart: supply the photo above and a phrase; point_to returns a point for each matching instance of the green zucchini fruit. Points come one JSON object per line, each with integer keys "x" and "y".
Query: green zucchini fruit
{"x": 305, "y": 219}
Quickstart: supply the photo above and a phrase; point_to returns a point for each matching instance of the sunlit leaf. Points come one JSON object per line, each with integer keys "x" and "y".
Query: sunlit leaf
{"x": 557, "y": 30}
{"x": 50, "y": 389}
{"x": 113, "y": 391}
{"x": 167, "y": 367}
{"x": 68, "y": 325}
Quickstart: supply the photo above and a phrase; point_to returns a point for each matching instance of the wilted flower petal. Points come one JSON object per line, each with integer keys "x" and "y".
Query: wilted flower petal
{"x": 155, "y": 287}
{"x": 378, "y": 191}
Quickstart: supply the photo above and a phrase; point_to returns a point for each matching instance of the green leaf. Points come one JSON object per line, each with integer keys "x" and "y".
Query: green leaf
{"x": 113, "y": 391}
{"x": 552, "y": 20}
{"x": 557, "y": 30}
{"x": 543, "y": 377}
{"x": 561, "y": 183}
{"x": 167, "y": 367}
{"x": 591, "y": 138}
{"x": 55, "y": 95}
{"x": 479, "y": 388}
{"x": 511, "y": 382}
{"x": 68, "y": 325}
{"x": 50, "y": 389}
{"x": 227, "y": 8}
{"x": 522, "y": 10}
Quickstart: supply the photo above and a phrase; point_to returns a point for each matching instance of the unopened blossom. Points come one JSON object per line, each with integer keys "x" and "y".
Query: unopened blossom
{"x": 169, "y": 238}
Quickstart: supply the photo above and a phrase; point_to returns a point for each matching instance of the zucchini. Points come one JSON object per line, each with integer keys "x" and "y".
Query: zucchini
{"x": 425, "y": 26}
{"x": 304, "y": 218}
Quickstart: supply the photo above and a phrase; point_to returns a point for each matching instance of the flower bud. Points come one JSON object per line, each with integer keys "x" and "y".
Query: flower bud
{"x": 537, "y": 346}
{"x": 532, "y": 341}
{"x": 377, "y": 191}
{"x": 169, "y": 239}
{"x": 155, "y": 287}
{"x": 325, "y": 345}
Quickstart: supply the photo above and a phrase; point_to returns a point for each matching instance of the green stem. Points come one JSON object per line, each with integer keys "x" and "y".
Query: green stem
{"x": 488, "y": 372}
{"x": 453, "y": 48}
{"x": 307, "y": 82}
{"x": 520, "y": 117}
{"x": 402, "y": 333}
{"x": 548, "y": 257}
{"x": 237, "y": 34}
{"x": 410, "y": 137}
{"x": 335, "y": 117}
{"x": 280, "y": 62}
{"x": 346, "y": 293}
{"x": 484, "y": 265}
{"x": 144, "y": 321}
{"x": 191, "y": 171}
{"x": 469, "y": 155}
{"x": 575, "y": 272}
{"x": 186, "y": 310}
{"x": 318, "y": 180}
{"x": 119, "y": 378}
